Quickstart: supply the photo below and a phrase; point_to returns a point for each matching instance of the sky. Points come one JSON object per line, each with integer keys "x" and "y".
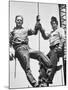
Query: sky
{"x": 29, "y": 12}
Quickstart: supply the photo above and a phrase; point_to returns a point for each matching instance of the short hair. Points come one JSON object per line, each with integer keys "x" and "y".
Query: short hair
{"x": 18, "y": 16}
{"x": 54, "y": 19}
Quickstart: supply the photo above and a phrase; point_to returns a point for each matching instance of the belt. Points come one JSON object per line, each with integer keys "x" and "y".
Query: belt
{"x": 16, "y": 45}
{"x": 52, "y": 47}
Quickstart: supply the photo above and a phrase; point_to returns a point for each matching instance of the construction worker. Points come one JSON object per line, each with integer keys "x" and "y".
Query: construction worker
{"x": 56, "y": 40}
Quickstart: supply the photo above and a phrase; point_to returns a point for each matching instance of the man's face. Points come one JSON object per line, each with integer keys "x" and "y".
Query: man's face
{"x": 19, "y": 21}
{"x": 54, "y": 25}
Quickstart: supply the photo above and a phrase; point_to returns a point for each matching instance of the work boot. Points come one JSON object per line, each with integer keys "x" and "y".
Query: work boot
{"x": 58, "y": 67}
{"x": 35, "y": 84}
{"x": 51, "y": 73}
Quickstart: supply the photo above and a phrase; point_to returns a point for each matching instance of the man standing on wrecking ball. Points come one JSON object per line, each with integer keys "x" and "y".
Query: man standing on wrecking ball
{"x": 56, "y": 40}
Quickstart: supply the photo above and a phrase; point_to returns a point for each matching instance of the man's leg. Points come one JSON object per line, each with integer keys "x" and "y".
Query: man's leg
{"x": 49, "y": 62}
{"x": 44, "y": 64}
{"x": 23, "y": 57}
{"x": 54, "y": 59}
{"x": 43, "y": 76}
{"x": 41, "y": 58}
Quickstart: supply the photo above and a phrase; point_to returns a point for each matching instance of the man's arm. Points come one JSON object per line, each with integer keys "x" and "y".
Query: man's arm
{"x": 12, "y": 51}
{"x": 31, "y": 32}
{"x": 62, "y": 36}
{"x": 11, "y": 38}
{"x": 36, "y": 28}
{"x": 35, "y": 31}
{"x": 39, "y": 27}
{"x": 45, "y": 36}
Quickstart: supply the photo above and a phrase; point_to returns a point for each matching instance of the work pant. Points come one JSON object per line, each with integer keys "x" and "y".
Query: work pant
{"x": 53, "y": 55}
{"x": 24, "y": 56}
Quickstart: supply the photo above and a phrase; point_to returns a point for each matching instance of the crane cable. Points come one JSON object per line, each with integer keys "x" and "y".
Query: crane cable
{"x": 39, "y": 31}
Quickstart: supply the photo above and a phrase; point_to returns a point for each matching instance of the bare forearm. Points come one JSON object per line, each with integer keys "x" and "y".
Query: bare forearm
{"x": 44, "y": 35}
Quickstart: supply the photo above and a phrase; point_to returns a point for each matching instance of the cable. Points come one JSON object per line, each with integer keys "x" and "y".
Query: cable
{"x": 39, "y": 31}
{"x": 15, "y": 69}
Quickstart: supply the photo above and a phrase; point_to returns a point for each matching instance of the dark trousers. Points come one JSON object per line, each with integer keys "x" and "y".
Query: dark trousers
{"x": 24, "y": 56}
{"x": 53, "y": 55}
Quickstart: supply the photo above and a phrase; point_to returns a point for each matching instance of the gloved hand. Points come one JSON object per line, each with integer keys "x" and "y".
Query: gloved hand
{"x": 38, "y": 18}
{"x": 11, "y": 57}
{"x": 38, "y": 26}
{"x": 11, "y": 54}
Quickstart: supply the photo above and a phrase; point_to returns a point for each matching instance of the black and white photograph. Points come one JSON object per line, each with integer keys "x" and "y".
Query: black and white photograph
{"x": 37, "y": 44}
